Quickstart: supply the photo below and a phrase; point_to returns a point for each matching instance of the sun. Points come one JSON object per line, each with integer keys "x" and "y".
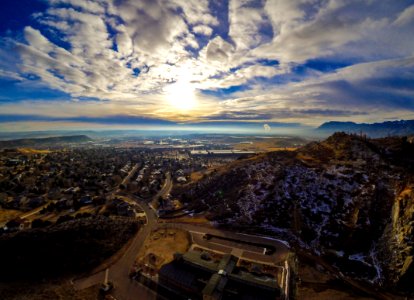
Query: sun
{"x": 181, "y": 94}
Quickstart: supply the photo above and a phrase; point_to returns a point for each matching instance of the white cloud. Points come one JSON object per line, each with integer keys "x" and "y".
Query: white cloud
{"x": 196, "y": 12}
{"x": 246, "y": 21}
{"x": 306, "y": 29}
{"x": 151, "y": 25}
{"x": 218, "y": 50}
{"x": 242, "y": 76}
{"x": 203, "y": 29}
{"x": 85, "y": 5}
{"x": 10, "y": 75}
{"x": 124, "y": 42}
{"x": 338, "y": 95}
{"x": 406, "y": 16}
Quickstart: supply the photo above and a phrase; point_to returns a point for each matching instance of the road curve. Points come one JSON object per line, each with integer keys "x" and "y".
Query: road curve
{"x": 126, "y": 289}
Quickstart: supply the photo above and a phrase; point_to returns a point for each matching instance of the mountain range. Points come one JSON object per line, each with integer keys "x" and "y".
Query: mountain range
{"x": 389, "y": 128}
{"x": 57, "y": 140}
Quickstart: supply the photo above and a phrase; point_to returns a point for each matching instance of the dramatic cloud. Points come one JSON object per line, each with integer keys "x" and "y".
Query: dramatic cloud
{"x": 195, "y": 61}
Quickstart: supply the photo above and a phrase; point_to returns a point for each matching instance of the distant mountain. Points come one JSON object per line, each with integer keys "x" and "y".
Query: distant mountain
{"x": 30, "y": 142}
{"x": 389, "y": 128}
{"x": 349, "y": 199}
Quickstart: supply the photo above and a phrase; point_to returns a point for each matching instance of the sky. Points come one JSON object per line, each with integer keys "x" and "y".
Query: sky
{"x": 82, "y": 64}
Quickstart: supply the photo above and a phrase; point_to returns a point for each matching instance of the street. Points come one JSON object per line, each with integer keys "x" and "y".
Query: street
{"x": 125, "y": 288}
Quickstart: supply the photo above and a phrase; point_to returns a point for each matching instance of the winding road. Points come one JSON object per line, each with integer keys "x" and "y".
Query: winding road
{"x": 127, "y": 289}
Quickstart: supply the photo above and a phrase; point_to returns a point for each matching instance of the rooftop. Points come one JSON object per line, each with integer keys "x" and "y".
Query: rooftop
{"x": 223, "y": 274}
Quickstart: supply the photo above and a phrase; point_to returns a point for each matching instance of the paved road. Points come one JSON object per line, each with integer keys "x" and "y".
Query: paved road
{"x": 282, "y": 250}
{"x": 132, "y": 172}
{"x": 165, "y": 190}
{"x": 126, "y": 289}
{"x": 34, "y": 211}
{"x": 246, "y": 251}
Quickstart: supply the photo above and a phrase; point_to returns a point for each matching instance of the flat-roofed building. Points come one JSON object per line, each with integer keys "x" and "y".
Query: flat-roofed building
{"x": 222, "y": 153}
{"x": 198, "y": 152}
{"x": 196, "y": 275}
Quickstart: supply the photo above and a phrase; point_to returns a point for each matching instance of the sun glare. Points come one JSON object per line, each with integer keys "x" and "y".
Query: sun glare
{"x": 182, "y": 95}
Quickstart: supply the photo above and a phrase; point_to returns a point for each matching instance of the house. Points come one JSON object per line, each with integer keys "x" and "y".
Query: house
{"x": 181, "y": 179}
{"x": 156, "y": 172}
{"x": 35, "y": 202}
{"x": 180, "y": 172}
{"x": 145, "y": 189}
{"x": 125, "y": 209}
{"x": 65, "y": 202}
{"x": 54, "y": 193}
{"x": 25, "y": 224}
{"x": 17, "y": 224}
{"x": 154, "y": 183}
{"x": 85, "y": 200}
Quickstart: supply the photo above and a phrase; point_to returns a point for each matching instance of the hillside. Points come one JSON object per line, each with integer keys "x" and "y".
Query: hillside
{"x": 350, "y": 200}
{"x": 63, "y": 249}
{"x": 49, "y": 141}
{"x": 389, "y": 128}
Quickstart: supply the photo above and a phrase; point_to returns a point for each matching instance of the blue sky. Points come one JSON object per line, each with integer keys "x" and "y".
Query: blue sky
{"x": 132, "y": 64}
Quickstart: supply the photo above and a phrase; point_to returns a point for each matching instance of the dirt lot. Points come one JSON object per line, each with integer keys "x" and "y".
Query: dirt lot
{"x": 161, "y": 245}
{"x": 266, "y": 145}
{"x": 32, "y": 151}
{"x": 8, "y": 214}
{"x": 196, "y": 176}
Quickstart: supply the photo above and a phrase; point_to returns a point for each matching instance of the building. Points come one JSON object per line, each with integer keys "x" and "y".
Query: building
{"x": 181, "y": 179}
{"x": 196, "y": 275}
{"x": 221, "y": 153}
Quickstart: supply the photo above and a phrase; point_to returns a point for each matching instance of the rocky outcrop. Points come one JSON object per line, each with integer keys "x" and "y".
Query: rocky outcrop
{"x": 397, "y": 242}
